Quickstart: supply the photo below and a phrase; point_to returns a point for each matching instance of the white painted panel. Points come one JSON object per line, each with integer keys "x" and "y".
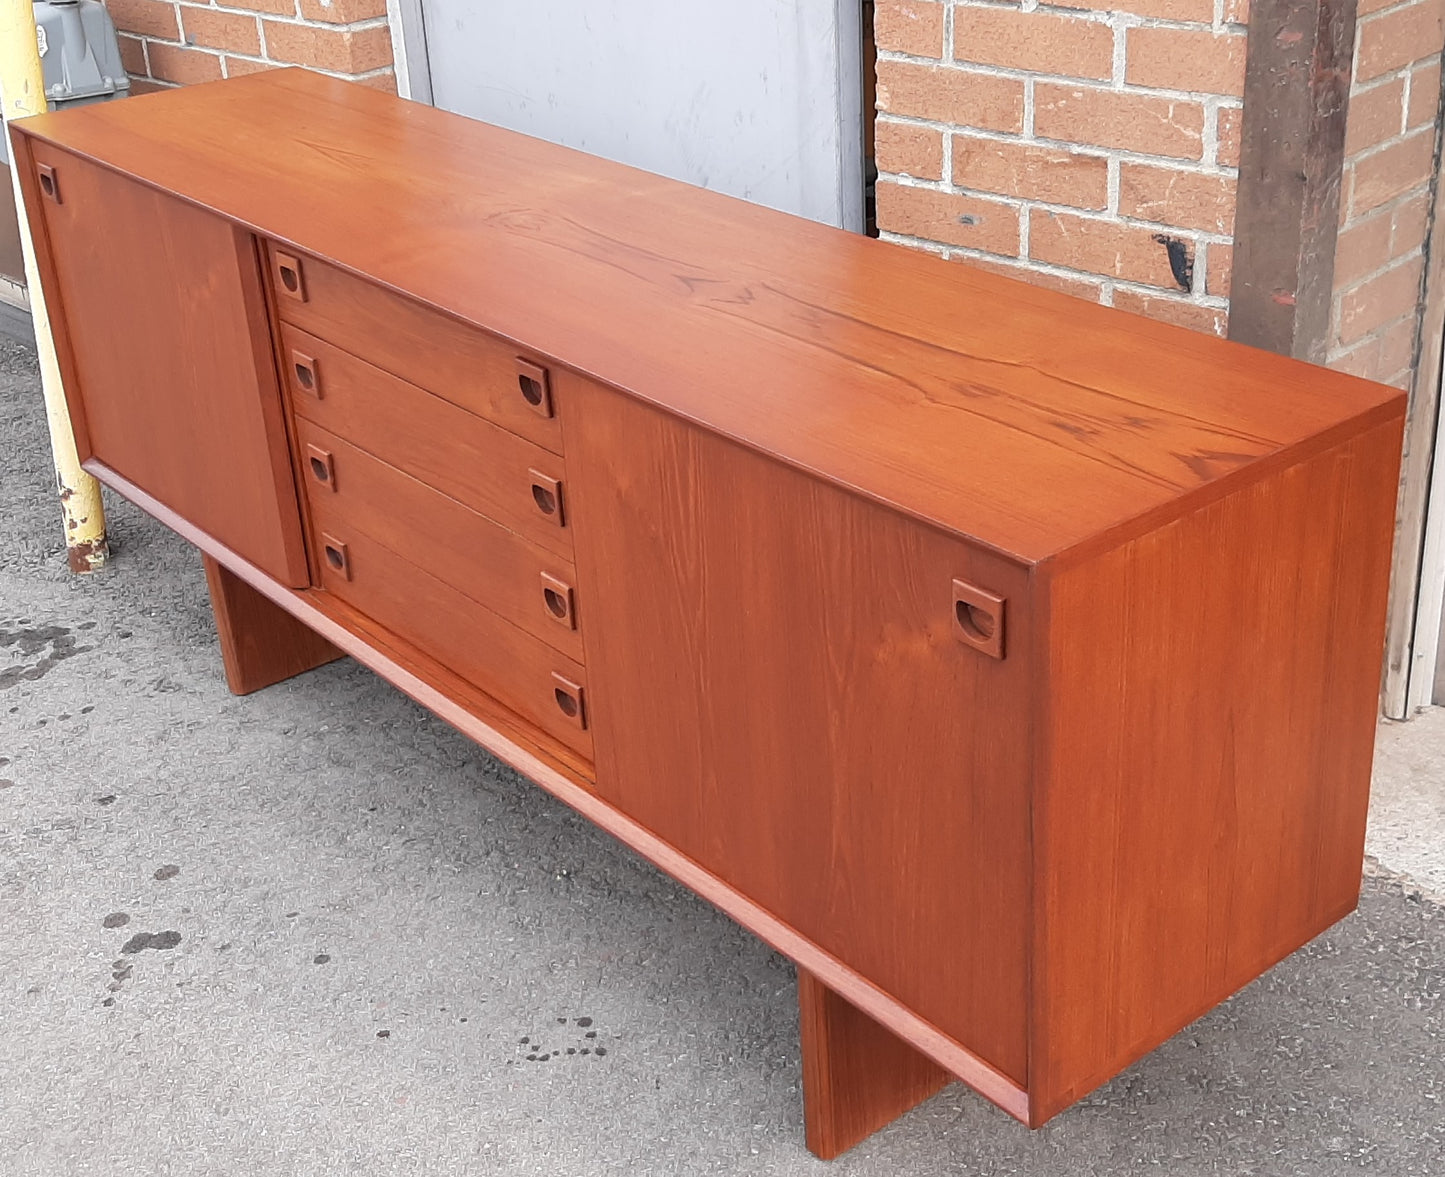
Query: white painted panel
{"x": 756, "y": 98}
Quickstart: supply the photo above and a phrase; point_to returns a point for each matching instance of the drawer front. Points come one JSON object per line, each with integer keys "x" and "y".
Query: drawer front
{"x": 349, "y": 490}
{"x": 539, "y": 683}
{"x": 497, "y": 473}
{"x": 479, "y": 372}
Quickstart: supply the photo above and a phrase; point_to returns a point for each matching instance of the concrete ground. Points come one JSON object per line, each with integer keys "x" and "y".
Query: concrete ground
{"x": 315, "y": 931}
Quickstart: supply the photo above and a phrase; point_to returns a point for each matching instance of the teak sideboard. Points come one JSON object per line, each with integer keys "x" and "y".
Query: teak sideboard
{"x": 1008, "y": 662}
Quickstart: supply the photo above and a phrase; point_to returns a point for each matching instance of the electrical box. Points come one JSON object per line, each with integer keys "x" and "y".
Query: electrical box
{"x": 79, "y": 55}
{"x": 80, "y": 60}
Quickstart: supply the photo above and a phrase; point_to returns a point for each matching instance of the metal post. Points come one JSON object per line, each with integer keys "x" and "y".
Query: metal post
{"x": 22, "y": 93}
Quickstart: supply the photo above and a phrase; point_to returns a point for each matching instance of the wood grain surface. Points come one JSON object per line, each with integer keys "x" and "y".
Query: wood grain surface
{"x": 459, "y": 453}
{"x": 1027, "y": 420}
{"x": 857, "y": 1076}
{"x": 496, "y": 568}
{"x": 261, "y": 644}
{"x": 1208, "y": 695}
{"x": 557, "y": 769}
{"x": 1007, "y": 661}
{"x": 473, "y": 369}
{"x": 781, "y": 696}
{"x": 168, "y": 353}
{"x": 474, "y": 642}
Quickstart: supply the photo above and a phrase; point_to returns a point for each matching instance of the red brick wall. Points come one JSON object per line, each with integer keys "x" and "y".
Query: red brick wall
{"x": 164, "y": 42}
{"x": 1092, "y": 150}
{"x": 1088, "y": 150}
{"x": 1386, "y": 188}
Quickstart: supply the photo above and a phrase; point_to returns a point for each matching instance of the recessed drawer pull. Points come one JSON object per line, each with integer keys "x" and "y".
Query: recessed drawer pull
{"x": 536, "y": 388}
{"x": 322, "y": 466}
{"x": 306, "y": 372}
{"x": 557, "y": 598}
{"x": 978, "y": 618}
{"x": 547, "y": 495}
{"x": 290, "y": 281}
{"x": 569, "y": 699}
{"x": 334, "y": 552}
{"x": 49, "y": 182}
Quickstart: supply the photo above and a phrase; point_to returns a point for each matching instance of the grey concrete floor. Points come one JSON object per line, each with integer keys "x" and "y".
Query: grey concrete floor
{"x": 315, "y": 931}
{"x": 1407, "y": 802}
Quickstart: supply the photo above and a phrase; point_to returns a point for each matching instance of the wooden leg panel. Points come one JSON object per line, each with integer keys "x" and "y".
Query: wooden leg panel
{"x": 261, "y": 643}
{"x": 857, "y": 1076}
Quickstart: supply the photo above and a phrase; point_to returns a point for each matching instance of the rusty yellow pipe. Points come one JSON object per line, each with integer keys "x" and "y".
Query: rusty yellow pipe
{"x": 22, "y": 93}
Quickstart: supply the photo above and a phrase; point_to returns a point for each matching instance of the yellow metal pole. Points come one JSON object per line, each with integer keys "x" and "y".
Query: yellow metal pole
{"x": 22, "y": 92}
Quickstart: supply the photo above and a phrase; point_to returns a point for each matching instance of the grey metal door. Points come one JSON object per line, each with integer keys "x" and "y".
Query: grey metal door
{"x": 756, "y": 98}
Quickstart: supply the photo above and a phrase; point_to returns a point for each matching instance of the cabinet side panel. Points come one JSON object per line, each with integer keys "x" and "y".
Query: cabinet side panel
{"x": 1210, "y": 718}
{"x": 777, "y": 692}
{"x": 170, "y": 355}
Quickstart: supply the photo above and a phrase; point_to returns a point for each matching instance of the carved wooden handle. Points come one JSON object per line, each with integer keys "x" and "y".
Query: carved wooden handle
{"x": 49, "y": 182}
{"x": 306, "y": 375}
{"x": 547, "y": 496}
{"x": 290, "y": 279}
{"x": 333, "y": 551}
{"x": 558, "y": 601}
{"x": 322, "y": 466}
{"x": 535, "y": 386}
{"x": 569, "y": 699}
{"x": 978, "y": 618}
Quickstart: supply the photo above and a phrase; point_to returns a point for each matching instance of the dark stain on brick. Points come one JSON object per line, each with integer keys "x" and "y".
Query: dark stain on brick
{"x": 1181, "y": 261}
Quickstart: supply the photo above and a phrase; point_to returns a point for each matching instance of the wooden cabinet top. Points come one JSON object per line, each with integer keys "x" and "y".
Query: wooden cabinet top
{"x": 1037, "y": 424}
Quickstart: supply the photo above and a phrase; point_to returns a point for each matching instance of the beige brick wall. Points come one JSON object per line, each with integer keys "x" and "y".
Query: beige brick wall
{"x": 167, "y": 43}
{"x": 1094, "y": 151}
{"x": 1386, "y": 188}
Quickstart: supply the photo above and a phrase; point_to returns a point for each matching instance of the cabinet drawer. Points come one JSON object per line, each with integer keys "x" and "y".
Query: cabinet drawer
{"x": 349, "y": 490}
{"x": 465, "y": 456}
{"x": 539, "y": 683}
{"x": 479, "y": 372}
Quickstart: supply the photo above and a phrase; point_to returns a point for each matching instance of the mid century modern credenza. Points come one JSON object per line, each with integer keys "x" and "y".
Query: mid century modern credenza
{"x": 1008, "y": 662}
